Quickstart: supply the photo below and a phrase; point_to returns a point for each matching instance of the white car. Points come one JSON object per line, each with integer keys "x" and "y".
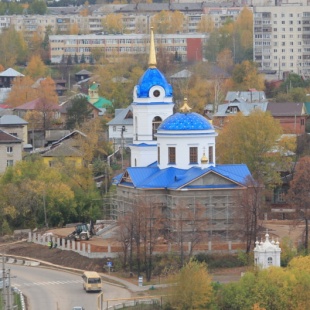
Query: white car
{"x": 78, "y": 308}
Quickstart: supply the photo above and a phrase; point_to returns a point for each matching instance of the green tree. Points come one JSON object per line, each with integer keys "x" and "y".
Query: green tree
{"x": 251, "y": 140}
{"x": 78, "y": 112}
{"x": 13, "y": 47}
{"x": 37, "y": 7}
{"x": 192, "y": 289}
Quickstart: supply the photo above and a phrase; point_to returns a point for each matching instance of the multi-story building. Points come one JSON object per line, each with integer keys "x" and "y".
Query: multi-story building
{"x": 282, "y": 39}
{"x": 136, "y": 18}
{"x": 187, "y": 46}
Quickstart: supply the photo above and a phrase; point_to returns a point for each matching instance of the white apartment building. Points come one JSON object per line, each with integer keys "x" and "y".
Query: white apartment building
{"x": 282, "y": 39}
{"x": 136, "y": 18}
{"x": 188, "y": 46}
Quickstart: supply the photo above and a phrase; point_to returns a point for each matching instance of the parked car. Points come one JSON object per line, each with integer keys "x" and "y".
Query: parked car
{"x": 78, "y": 308}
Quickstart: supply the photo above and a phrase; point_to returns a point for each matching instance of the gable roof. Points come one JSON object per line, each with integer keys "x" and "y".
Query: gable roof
{"x": 184, "y": 74}
{"x": 122, "y": 117}
{"x": 37, "y": 104}
{"x": 244, "y": 107}
{"x": 246, "y": 96}
{"x": 12, "y": 120}
{"x": 83, "y": 72}
{"x": 176, "y": 179}
{"x": 70, "y": 135}
{"x": 286, "y": 108}
{"x": 63, "y": 150}
{"x": 8, "y": 138}
{"x": 10, "y": 73}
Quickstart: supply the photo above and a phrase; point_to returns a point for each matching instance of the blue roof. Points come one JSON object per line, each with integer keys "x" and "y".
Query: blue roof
{"x": 173, "y": 178}
{"x": 185, "y": 121}
{"x": 152, "y": 77}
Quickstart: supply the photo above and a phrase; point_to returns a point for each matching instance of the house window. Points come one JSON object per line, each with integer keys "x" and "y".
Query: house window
{"x": 114, "y": 128}
{"x": 302, "y": 122}
{"x": 158, "y": 155}
{"x": 9, "y": 163}
{"x": 210, "y": 154}
{"x": 171, "y": 154}
{"x": 9, "y": 149}
{"x": 269, "y": 261}
{"x": 193, "y": 155}
{"x": 279, "y": 195}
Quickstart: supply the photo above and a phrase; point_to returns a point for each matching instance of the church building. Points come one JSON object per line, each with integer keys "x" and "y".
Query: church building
{"x": 173, "y": 164}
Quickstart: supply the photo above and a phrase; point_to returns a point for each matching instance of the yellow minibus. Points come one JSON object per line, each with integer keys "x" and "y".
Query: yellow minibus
{"x": 91, "y": 281}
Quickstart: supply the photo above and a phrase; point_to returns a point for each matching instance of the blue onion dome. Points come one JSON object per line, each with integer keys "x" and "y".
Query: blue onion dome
{"x": 185, "y": 121}
{"x": 152, "y": 77}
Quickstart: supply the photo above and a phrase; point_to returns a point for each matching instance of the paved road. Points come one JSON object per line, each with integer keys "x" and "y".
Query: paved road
{"x": 54, "y": 289}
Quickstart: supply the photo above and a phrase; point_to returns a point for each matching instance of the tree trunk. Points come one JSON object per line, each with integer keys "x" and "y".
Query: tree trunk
{"x": 307, "y": 234}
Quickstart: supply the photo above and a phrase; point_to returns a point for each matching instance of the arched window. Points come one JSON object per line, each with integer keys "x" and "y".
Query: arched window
{"x": 155, "y": 124}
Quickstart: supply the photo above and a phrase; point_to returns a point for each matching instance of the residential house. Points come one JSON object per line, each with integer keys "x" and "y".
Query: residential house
{"x": 15, "y": 126}
{"x": 291, "y": 115}
{"x": 82, "y": 75}
{"x": 48, "y": 117}
{"x": 64, "y": 106}
{"x": 7, "y": 77}
{"x": 244, "y": 102}
{"x": 121, "y": 127}
{"x": 10, "y": 150}
{"x": 66, "y": 149}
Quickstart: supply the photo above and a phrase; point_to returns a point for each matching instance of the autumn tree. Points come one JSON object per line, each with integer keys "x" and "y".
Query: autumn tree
{"x": 13, "y": 48}
{"x": 78, "y": 112}
{"x": 192, "y": 287}
{"x": 246, "y": 76}
{"x": 251, "y": 140}
{"x": 113, "y": 23}
{"x": 206, "y": 24}
{"x": 21, "y": 92}
{"x": 36, "y": 68}
{"x": 225, "y": 60}
{"x": 298, "y": 195}
{"x": 271, "y": 288}
{"x": 168, "y": 22}
{"x": 250, "y": 204}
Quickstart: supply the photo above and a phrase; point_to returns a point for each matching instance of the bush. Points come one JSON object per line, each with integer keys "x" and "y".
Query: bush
{"x": 220, "y": 260}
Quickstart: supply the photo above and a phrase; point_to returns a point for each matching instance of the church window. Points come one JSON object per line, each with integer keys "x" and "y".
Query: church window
{"x": 155, "y": 124}
{"x": 269, "y": 261}
{"x": 211, "y": 154}
{"x": 193, "y": 155}
{"x": 158, "y": 155}
{"x": 156, "y": 93}
{"x": 171, "y": 154}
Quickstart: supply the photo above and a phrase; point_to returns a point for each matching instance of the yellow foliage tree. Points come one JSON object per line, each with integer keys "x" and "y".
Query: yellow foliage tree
{"x": 246, "y": 76}
{"x": 74, "y": 28}
{"x": 113, "y": 23}
{"x": 36, "y": 68}
{"x": 225, "y": 60}
{"x": 244, "y": 26}
{"x": 250, "y": 140}
{"x": 167, "y": 22}
{"x": 206, "y": 24}
{"x": 193, "y": 289}
{"x": 22, "y": 92}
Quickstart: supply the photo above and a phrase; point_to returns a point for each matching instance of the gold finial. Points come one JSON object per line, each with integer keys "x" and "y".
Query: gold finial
{"x": 204, "y": 159}
{"x": 185, "y": 108}
{"x": 152, "y": 56}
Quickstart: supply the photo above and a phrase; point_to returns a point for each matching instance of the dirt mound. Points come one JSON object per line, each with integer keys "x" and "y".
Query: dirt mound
{"x": 55, "y": 256}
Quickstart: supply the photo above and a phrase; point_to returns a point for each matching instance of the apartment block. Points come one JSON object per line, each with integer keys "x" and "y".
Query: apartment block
{"x": 282, "y": 39}
{"x": 187, "y": 46}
